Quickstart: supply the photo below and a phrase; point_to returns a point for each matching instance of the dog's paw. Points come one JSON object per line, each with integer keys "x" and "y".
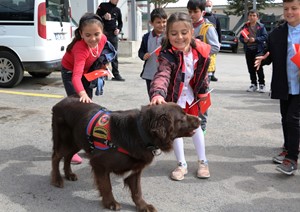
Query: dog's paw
{"x": 147, "y": 208}
{"x": 115, "y": 206}
{"x": 71, "y": 177}
{"x": 56, "y": 180}
{"x": 59, "y": 183}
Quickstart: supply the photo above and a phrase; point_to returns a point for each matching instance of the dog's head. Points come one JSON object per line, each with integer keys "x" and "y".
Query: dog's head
{"x": 166, "y": 122}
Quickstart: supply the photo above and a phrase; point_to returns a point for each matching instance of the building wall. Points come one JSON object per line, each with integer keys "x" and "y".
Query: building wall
{"x": 276, "y": 10}
{"x": 79, "y": 7}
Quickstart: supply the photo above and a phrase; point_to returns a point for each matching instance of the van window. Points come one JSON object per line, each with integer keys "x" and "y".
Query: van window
{"x": 23, "y": 10}
{"x": 14, "y": 10}
{"x": 57, "y": 10}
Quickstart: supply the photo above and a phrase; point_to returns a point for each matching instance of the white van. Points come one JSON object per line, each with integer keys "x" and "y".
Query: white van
{"x": 34, "y": 35}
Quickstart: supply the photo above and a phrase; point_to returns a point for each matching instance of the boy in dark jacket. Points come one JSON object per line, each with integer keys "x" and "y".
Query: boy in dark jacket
{"x": 285, "y": 84}
{"x": 150, "y": 43}
{"x": 253, "y": 38}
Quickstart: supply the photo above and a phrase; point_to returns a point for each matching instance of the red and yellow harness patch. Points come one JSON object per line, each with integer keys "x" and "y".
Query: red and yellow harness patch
{"x": 99, "y": 134}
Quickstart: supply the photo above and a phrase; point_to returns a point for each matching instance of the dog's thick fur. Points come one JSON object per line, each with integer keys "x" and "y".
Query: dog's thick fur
{"x": 162, "y": 124}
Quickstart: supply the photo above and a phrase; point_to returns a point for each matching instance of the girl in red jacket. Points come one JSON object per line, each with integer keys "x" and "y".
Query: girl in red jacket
{"x": 181, "y": 77}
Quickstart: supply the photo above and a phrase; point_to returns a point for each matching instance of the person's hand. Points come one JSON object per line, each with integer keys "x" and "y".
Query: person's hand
{"x": 246, "y": 40}
{"x": 146, "y": 56}
{"x": 251, "y": 40}
{"x": 258, "y": 60}
{"x": 84, "y": 98}
{"x": 116, "y": 32}
{"x": 157, "y": 100}
{"x": 107, "y": 16}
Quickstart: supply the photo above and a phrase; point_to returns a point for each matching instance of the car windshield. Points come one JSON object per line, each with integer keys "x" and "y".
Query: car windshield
{"x": 231, "y": 33}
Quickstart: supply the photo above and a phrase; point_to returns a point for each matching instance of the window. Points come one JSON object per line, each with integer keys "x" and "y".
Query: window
{"x": 16, "y": 10}
{"x": 57, "y": 10}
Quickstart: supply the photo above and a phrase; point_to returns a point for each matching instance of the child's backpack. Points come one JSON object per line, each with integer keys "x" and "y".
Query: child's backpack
{"x": 202, "y": 36}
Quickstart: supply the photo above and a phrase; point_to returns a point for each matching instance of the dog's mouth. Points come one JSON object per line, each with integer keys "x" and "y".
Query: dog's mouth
{"x": 188, "y": 134}
{"x": 192, "y": 133}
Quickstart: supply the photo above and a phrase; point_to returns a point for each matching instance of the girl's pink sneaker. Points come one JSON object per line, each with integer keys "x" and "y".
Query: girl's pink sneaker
{"x": 76, "y": 159}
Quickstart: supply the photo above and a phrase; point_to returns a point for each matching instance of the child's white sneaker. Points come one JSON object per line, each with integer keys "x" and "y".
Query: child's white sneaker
{"x": 203, "y": 170}
{"x": 178, "y": 173}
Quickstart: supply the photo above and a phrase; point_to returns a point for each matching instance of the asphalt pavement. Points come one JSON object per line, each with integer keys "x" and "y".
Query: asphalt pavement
{"x": 243, "y": 134}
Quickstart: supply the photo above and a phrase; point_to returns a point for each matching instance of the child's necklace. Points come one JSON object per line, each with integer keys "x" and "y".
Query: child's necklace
{"x": 94, "y": 55}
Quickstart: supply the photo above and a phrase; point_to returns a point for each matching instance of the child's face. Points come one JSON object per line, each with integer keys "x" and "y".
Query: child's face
{"x": 180, "y": 35}
{"x": 291, "y": 12}
{"x": 159, "y": 25}
{"x": 91, "y": 34}
{"x": 252, "y": 18}
{"x": 115, "y": 2}
{"x": 196, "y": 15}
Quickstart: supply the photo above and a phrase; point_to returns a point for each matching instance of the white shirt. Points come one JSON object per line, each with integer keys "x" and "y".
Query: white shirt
{"x": 187, "y": 95}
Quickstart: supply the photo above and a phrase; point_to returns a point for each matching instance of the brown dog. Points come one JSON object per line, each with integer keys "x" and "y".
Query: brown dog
{"x": 131, "y": 139}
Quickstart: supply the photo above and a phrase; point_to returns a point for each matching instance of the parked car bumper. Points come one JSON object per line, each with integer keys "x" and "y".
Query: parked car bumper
{"x": 233, "y": 46}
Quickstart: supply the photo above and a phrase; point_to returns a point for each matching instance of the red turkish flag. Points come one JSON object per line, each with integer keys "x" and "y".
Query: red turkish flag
{"x": 204, "y": 105}
{"x": 245, "y": 33}
{"x": 96, "y": 74}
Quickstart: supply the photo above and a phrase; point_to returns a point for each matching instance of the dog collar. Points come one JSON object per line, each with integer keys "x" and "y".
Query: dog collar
{"x": 146, "y": 139}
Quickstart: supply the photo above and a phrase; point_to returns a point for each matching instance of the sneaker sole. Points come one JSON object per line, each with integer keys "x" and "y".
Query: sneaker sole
{"x": 76, "y": 163}
{"x": 203, "y": 177}
{"x": 277, "y": 161}
{"x": 285, "y": 172}
{"x": 176, "y": 179}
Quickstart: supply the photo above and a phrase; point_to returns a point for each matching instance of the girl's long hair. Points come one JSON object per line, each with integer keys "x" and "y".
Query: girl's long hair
{"x": 176, "y": 17}
{"x": 86, "y": 19}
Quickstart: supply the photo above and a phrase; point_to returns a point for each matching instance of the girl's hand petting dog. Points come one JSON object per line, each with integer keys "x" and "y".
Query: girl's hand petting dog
{"x": 157, "y": 100}
{"x": 84, "y": 98}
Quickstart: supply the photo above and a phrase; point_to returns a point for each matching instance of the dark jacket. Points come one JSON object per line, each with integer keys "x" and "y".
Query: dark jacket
{"x": 169, "y": 78}
{"x": 261, "y": 36}
{"x": 144, "y": 48}
{"x": 277, "y": 46}
{"x": 116, "y": 17}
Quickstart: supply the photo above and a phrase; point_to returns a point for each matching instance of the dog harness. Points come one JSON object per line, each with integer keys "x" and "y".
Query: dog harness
{"x": 98, "y": 133}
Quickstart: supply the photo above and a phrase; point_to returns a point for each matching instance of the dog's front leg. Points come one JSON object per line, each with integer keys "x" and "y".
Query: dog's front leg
{"x": 133, "y": 181}
{"x": 103, "y": 183}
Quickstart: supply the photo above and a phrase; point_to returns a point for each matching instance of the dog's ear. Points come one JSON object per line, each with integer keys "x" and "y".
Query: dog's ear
{"x": 162, "y": 126}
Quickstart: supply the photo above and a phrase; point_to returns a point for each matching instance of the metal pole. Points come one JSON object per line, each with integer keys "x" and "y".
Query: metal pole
{"x": 91, "y": 6}
{"x": 254, "y": 4}
{"x": 133, "y": 20}
{"x": 148, "y": 15}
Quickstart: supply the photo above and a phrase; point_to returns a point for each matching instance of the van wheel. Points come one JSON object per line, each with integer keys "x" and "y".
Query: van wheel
{"x": 39, "y": 74}
{"x": 11, "y": 72}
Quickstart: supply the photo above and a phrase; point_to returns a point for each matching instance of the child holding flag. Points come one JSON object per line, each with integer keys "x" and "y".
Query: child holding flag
{"x": 253, "y": 36}
{"x": 284, "y": 53}
{"x": 181, "y": 77}
{"x": 89, "y": 47}
{"x": 151, "y": 43}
